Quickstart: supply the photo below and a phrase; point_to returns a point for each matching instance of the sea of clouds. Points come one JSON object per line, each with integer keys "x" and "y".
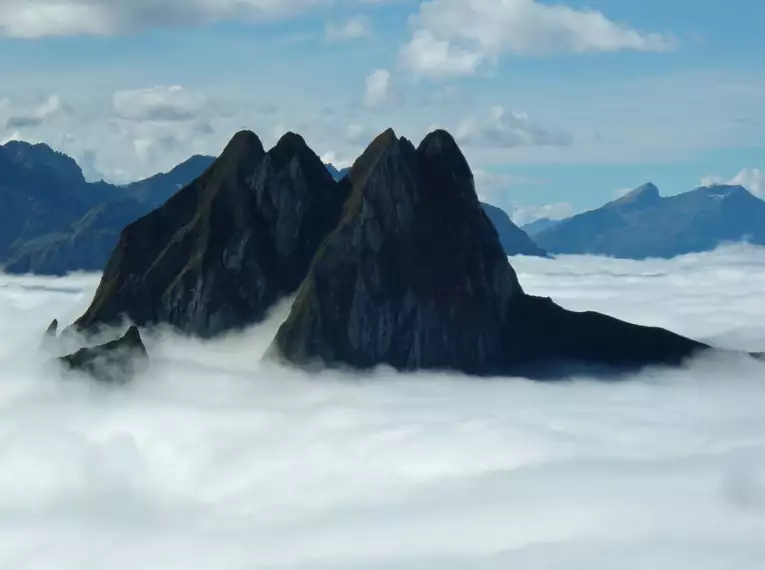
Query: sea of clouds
{"x": 214, "y": 460}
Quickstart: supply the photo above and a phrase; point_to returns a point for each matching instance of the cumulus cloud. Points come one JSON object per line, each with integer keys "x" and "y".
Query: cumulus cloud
{"x": 753, "y": 179}
{"x": 353, "y": 28}
{"x": 497, "y": 188}
{"x": 507, "y": 130}
{"x": 215, "y": 456}
{"x": 159, "y": 103}
{"x": 455, "y": 37}
{"x": 35, "y": 115}
{"x": 378, "y": 89}
{"x": 39, "y": 18}
{"x": 525, "y": 214}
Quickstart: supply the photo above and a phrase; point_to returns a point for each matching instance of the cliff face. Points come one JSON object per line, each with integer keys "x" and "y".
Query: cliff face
{"x": 222, "y": 250}
{"x": 414, "y": 276}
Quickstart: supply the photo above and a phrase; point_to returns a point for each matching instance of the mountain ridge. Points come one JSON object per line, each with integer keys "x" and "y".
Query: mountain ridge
{"x": 642, "y": 224}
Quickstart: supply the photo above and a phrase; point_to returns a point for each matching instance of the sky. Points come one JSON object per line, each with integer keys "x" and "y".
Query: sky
{"x": 559, "y": 106}
{"x": 216, "y": 459}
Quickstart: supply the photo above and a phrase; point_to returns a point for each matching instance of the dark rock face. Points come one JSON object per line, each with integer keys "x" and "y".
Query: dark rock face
{"x": 642, "y": 224}
{"x": 49, "y": 338}
{"x": 514, "y": 240}
{"x": 221, "y": 251}
{"x": 117, "y": 361}
{"x": 414, "y": 276}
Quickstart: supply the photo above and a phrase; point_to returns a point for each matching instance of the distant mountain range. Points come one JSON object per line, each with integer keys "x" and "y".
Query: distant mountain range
{"x": 54, "y": 222}
{"x": 533, "y": 228}
{"x": 512, "y": 238}
{"x": 642, "y": 224}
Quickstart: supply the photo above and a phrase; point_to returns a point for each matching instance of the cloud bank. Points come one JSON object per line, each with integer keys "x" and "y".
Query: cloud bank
{"x": 456, "y": 37}
{"x": 40, "y": 18}
{"x": 216, "y": 460}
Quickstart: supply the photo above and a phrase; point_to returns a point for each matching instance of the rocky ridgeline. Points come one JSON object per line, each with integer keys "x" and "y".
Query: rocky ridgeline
{"x": 396, "y": 264}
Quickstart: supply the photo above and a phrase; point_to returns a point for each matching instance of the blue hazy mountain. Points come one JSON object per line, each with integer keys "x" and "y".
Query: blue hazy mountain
{"x": 156, "y": 190}
{"x": 514, "y": 240}
{"x": 540, "y": 225}
{"x": 337, "y": 174}
{"x": 643, "y": 224}
{"x": 53, "y": 221}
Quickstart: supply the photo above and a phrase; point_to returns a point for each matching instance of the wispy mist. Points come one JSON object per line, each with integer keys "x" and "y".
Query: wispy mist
{"x": 214, "y": 460}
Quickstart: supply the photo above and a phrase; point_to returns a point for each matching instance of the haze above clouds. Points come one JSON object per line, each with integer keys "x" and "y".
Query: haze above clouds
{"x": 216, "y": 460}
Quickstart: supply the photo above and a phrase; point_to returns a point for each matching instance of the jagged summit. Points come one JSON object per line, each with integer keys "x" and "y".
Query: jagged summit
{"x": 222, "y": 250}
{"x": 726, "y": 190}
{"x": 396, "y": 264}
{"x": 644, "y": 195}
{"x": 55, "y": 164}
{"x": 643, "y": 225}
{"x": 415, "y": 277}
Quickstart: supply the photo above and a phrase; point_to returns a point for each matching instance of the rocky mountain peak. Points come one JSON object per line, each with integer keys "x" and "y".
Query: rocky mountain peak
{"x": 414, "y": 276}
{"x": 222, "y": 250}
{"x": 644, "y": 195}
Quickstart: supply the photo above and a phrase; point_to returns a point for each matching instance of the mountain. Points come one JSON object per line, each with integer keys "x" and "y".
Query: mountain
{"x": 54, "y": 222}
{"x": 40, "y": 191}
{"x": 533, "y": 228}
{"x": 514, "y": 240}
{"x": 116, "y": 361}
{"x": 337, "y": 174}
{"x": 220, "y": 252}
{"x": 643, "y": 224}
{"x": 414, "y": 276}
{"x": 156, "y": 190}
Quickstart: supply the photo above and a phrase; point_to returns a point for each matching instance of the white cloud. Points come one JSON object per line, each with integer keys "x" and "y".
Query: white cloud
{"x": 356, "y": 133}
{"x": 455, "y": 37}
{"x": 621, "y": 192}
{"x": 427, "y": 54}
{"x": 39, "y": 18}
{"x": 378, "y": 88}
{"x": 354, "y": 28}
{"x": 507, "y": 130}
{"x": 753, "y": 179}
{"x": 215, "y": 456}
{"x": 159, "y": 103}
{"x": 496, "y": 188}
{"x": 525, "y": 214}
{"x": 35, "y": 115}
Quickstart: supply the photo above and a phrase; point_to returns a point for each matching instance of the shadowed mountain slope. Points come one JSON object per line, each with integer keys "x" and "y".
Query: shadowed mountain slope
{"x": 414, "y": 276}
{"x": 221, "y": 251}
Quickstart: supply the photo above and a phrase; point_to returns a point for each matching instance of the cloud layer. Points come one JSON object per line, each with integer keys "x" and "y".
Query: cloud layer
{"x": 215, "y": 460}
{"x": 40, "y": 18}
{"x": 455, "y": 37}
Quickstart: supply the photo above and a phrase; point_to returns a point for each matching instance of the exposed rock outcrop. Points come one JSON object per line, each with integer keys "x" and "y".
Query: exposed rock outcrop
{"x": 117, "y": 361}
{"x": 218, "y": 254}
{"x": 50, "y": 339}
{"x": 415, "y": 277}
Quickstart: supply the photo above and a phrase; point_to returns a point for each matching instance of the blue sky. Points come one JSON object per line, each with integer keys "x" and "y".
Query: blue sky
{"x": 558, "y": 106}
